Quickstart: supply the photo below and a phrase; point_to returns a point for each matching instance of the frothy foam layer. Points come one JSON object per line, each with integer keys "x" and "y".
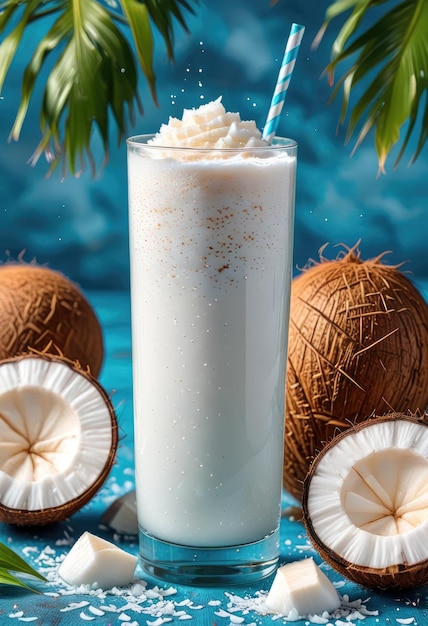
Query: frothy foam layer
{"x": 209, "y": 127}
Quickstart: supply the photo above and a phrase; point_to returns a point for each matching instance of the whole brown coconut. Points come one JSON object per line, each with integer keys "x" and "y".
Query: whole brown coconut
{"x": 358, "y": 345}
{"x": 42, "y": 310}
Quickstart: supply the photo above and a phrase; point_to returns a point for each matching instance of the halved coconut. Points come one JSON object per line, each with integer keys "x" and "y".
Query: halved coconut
{"x": 365, "y": 502}
{"x": 58, "y": 438}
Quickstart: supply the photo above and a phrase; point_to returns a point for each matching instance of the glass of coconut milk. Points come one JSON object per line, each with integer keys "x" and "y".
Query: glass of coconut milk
{"x": 211, "y": 235}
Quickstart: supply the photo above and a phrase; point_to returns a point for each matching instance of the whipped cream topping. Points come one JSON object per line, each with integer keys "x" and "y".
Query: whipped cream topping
{"x": 209, "y": 126}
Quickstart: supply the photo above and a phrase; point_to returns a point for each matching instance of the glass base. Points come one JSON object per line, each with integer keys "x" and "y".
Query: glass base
{"x": 186, "y": 565}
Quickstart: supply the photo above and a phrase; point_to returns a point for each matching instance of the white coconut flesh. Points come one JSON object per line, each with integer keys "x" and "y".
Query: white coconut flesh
{"x": 300, "y": 588}
{"x": 368, "y": 495}
{"x": 97, "y": 562}
{"x": 55, "y": 433}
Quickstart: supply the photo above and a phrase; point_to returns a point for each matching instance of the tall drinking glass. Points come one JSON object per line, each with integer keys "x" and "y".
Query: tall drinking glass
{"x": 211, "y": 235}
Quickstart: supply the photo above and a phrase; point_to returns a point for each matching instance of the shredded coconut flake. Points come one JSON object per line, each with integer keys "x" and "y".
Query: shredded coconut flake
{"x": 74, "y": 605}
{"x": 318, "y": 619}
{"x": 95, "y": 611}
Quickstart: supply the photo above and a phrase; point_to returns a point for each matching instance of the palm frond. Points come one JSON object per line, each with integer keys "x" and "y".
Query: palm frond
{"x": 93, "y": 75}
{"x": 10, "y": 562}
{"x": 389, "y": 61}
{"x": 138, "y": 18}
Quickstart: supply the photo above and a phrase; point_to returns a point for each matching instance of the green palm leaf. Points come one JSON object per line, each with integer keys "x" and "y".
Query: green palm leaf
{"x": 389, "y": 61}
{"x": 91, "y": 67}
{"x": 12, "y": 562}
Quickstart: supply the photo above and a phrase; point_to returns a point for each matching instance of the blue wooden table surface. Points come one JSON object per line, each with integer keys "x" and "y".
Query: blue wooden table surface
{"x": 153, "y": 602}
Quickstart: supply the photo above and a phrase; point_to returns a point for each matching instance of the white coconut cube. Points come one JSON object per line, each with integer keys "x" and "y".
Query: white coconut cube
{"x": 96, "y": 562}
{"x": 301, "y": 588}
{"x": 122, "y": 514}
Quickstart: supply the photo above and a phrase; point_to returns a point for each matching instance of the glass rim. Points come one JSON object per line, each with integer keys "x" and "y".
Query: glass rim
{"x": 141, "y": 141}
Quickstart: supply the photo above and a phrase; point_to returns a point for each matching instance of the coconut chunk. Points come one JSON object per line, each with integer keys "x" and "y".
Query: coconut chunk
{"x": 301, "y": 588}
{"x": 122, "y": 514}
{"x": 96, "y": 562}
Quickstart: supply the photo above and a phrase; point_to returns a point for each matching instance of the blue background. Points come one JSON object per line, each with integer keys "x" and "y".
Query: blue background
{"x": 234, "y": 49}
{"x": 80, "y": 227}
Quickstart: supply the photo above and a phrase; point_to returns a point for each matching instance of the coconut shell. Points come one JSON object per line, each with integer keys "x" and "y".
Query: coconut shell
{"x": 41, "y": 310}
{"x": 358, "y": 346}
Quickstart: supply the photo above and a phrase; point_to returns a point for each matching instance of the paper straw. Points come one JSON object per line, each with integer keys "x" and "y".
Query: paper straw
{"x": 284, "y": 77}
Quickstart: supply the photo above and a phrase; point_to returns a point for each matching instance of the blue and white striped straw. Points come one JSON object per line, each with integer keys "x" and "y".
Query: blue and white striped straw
{"x": 284, "y": 77}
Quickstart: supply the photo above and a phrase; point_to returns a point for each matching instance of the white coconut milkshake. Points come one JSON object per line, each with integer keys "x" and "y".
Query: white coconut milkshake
{"x": 211, "y": 232}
